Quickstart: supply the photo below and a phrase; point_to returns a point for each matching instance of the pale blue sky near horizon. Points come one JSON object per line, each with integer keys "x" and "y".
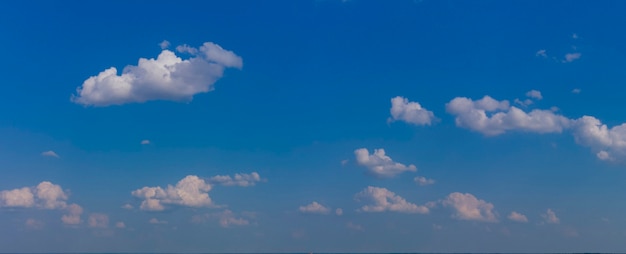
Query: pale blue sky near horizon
{"x": 261, "y": 108}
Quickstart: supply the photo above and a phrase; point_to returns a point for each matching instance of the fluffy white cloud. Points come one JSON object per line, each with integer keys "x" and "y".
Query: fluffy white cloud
{"x": 410, "y": 112}
{"x": 242, "y": 180}
{"x": 468, "y": 207}
{"x": 570, "y": 57}
{"x": 45, "y": 195}
{"x": 382, "y": 200}
{"x": 72, "y": 217}
{"x": 168, "y": 77}
{"x": 191, "y": 191}
{"x": 128, "y": 206}
{"x": 157, "y": 221}
{"x": 164, "y": 44}
{"x": 50, "y": 153}
{"x": 379, "y": 164}
{"x": 608, "y": 143}
{"x": 314, "y": 207}
{"x": 502, "y": 117}
{"x": 98, "y": 220}
{"x": 515, "y": 216}
{"x": 550, "y": 217}
{"x": 534, "y": 94}
{"x": 423, "y": 181}
{"x": 227, "y": 219}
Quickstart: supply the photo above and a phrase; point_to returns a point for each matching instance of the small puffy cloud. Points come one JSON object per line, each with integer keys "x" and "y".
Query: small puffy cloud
{"x": 550, "y": 217}
{"x": 128, "y": 206}
{"x": 379, "y": 164}
{"x": 50, "y": 153}
{"x": 576, "y": 90}
{"x": 315, "y": 208}
{"x": 72, "y": 217}
{"x": 607, "y": 143}
{"x": 468, "y": 207}
{"x": 571, "y": 57}
{"x": 423, "y": 181}
{"x": 518, "y": 217}
{"x": 382, "y": 200}
{"x": 157, "y": 221}
{"x": 534, "y": 94}
{"x": 168, "y": 77}
{"x": 242, "y": 180}
{"x": 34, "y": 224}
{"x": 227, "y": 219}
{"x": 98, "y": 220}
{"x": 145, "y": 142}
{"x": 164, "y": 44}
{"x": 45, "y": 195}
{"x": 339, "y": 211}
{"x": 541, "y": 53}
{"x": 492, "y": 117}
{"x": 524, "y": 103}
{"x": 410, "y": 112}
{"x": 191, "y": 191}
{"x": 120, "y": 224}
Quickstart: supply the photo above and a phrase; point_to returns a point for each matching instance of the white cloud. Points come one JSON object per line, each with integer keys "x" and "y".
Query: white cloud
{"x": 576, "y": 90}
{"x": 534, "y": 94}
{"x": 382, "y": 200}
{"x": 515, "y": 216}
{"x": 550, "y": 217}
{"x": 157, "y": 221}
{"x": 128, "y": 206}
{"x": 570, "y": 57}
{"x": 242, "y": 180}
{"x": 50, "y": 154}
{"x": 120, "y": 224}
{"x": 315, "y": 208}
{"x": 524, "y": 103}
{"x": 379, "y": 164}
{"x": 227, "y": 219}
{"x": 45, "y": 195}
{"x": 468, "y": 207}
{"x": 98, "y": 220}
{"x": 168, "y": 77}
{"x": 608, "y": 143}
{"x": 502, "y": 117}
{"x": 423, "y": 181}
{"x": 145, "y": 142}
{"x": 541, "y": 53}
{"x": 72, "y": 217}
{"x": 191, "y": 191}
{"x": 339, "y": 211}
{"x": 410, "y": 112}
{"x": 164, "y": 44}
{"x": 34, "y": 224}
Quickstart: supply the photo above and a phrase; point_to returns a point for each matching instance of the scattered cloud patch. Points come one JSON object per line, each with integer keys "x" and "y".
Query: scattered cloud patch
{"x": 492, "y": 117}
{"x": 354, "y": 226}
{"x": 34, "y": 224}
{"x": 571, "y": 57}
{"x": 72, "y": 217}
{"x": 98, "y": 220}
{"x": 518, "y": 217}
{"x": 120, "y": 224}
{"x": 541, "y": 53}
{"x": 191, "y": 191}
{"x": 423, "y": 181}
{"x": 145, "y": 142}
{"x": 50, "y": 154}
{"x": 157, "y": 221}
{"x": 410, "y": 112}
{"x": 534, "y": 94}
{"x": 168, "y": 77}
{"x": 164, "y": 44}
{"x": 339, "y": 211}
{"x": 468, "y": 207}
{"x": 382, "y": 200}
{"x": 45, "y": 195}
{"x": 576, "y": 90}
{"x": 550, "y": 217}
{"x": 242, "y": 180}
{"x": 128, "y": 206}
{"x": 314, "y": 208}
{"x": 227, "y": 219}
{"x": 380, "y": 165}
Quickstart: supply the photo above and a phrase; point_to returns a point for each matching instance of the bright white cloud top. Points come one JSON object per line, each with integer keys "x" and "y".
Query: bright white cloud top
{"x": 314, "y": 208}
{"x": 410, "y": 112}
{"x": 383, "y": 200}
{"x": 518, "y": 217}
{"x": 468, "y": 207}
{"x": 168, "y": 77}
{"x": 242, "y": 180}
{"x": 380, "y": 165}
{"x": 191, "y": 191}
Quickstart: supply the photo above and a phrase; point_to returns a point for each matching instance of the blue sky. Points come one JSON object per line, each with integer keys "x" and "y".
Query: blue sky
{"x": 313, "y": 126}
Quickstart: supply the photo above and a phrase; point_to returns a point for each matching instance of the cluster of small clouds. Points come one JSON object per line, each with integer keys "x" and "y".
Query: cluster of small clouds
{"x": 567, "y": 58}
{"x": 225, "y": 219}
{"x": 45, "y": 195}
{"x": 191, "y": 191}
{"x": 168, "y": 77}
